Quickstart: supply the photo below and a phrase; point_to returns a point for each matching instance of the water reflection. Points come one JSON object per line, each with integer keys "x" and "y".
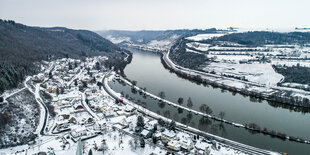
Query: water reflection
{"x": 204, "y": 123}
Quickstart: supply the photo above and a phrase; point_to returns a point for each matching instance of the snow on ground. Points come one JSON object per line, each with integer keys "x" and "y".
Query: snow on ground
{"x": 292, "y": 29}
{"x": 200, "y": 37}
{"x": 260, "y": 73}
{"x": 295, "y": 85}
{"x": 119, "y": 143}
{"x": 113, "y": 141}
{"x": 159, "y": 43}
{"x": 162, "y": 43}
{"x": 198, "y": 46}
{"x": 22, "y": 116}
{"x": 236, "y": 48}
{"x": 189, "y": 50}
{"x": 42, "y": 110}
{"x": 117, "y": 40}
{"x": 236, "y": 58}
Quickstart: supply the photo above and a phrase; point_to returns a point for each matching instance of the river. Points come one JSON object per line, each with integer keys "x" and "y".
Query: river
{"x": 147, "y": 70}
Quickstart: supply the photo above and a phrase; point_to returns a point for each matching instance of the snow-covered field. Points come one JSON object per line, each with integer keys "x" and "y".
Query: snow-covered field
{"x": 200, "y": 37}
{"x": 198, "y": 46}
{"x": 117, "y": 40}
{"x": 260, "y": 73}
{"x": 235, "y": 58}
{"x": 189, "y": 50}
{"x": 249, "y": 63}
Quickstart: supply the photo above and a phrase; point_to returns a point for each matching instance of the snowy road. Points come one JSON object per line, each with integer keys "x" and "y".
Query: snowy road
{"x": 43, "y": 111}
{"x": 85, "y": 105}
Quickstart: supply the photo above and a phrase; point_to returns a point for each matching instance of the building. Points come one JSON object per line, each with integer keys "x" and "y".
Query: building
{"x": 174, "y": 145}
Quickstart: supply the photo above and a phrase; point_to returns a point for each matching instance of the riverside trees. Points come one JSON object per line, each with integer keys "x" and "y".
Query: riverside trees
{"x": 205, "y": 109}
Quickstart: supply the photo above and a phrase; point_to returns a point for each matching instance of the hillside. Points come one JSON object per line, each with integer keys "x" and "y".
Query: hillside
{"x": 260, "y": 38}
{"x": 148, "y": 39}
{"x": 21, "y": 46}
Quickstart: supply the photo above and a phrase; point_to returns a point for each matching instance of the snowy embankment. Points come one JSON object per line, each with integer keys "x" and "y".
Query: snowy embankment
{"x": 230, "y": 143}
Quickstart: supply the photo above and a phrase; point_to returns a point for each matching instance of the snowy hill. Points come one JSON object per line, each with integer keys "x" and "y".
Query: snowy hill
{"x": 151, "y": 40}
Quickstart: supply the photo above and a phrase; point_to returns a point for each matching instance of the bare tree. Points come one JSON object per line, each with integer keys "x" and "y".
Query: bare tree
{"x": 134, "y": 83}
{"x": 180, "y": 100}
{"x": 189, "y": 102}
{"x": 222, "y": 114}
{"x": 205, "y": 109}
{"x": 162, "y": 94}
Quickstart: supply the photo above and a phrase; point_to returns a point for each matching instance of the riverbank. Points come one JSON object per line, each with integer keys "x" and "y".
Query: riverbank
{"x": 273, "y": 94}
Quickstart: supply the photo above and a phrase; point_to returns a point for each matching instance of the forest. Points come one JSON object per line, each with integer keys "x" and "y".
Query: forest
{"x": 23, "y": 47}
{"x": 259, "y": 38}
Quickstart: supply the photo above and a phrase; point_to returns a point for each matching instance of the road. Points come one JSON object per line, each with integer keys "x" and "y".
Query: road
{"x": 44, "y": 111}
{"x": 86, "y": 107}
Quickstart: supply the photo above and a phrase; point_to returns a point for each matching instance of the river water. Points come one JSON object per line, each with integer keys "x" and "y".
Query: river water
{"x": 147, "y": 70}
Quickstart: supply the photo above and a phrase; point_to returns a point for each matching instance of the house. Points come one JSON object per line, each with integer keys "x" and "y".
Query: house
{"x": 202, "y": 145}
{"x": 138, "y": 129}
{"x": 63, "y": 103}
{"x": 129, "y": 108}
{"x": 168, "y": 135}
{"x": 78, "y": 132}
{"x": 158, "y": 151}
{"x": 108, "y": 113}
{"x": 174, "y": 145}
{"x": 145, "y": 133}
{"x": 65, "y": 116}
{"x": 38, "y": 78}
{"x": 62, "y": 126}
{"x": 78, "y": 107}
{"x": 101, "y": 108}
{"x": 72, "y": 120}
{"x": 52, "y": 89}
{"x": 101, "y": 124}
{"x": 90, "y": 121}
{"x": 150, "y": 125}
{"x": 185, "y": 141}
{"x": 122, "y": 113}
{"x": 119, "y": 126}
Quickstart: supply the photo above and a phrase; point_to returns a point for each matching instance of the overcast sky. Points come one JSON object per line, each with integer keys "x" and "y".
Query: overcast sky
{"x": 158, "y": 14}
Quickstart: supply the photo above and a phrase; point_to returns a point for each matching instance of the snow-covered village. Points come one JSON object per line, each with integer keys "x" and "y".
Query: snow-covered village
{"x": 157, "y": 77}
{"x": 77, "y": 115}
